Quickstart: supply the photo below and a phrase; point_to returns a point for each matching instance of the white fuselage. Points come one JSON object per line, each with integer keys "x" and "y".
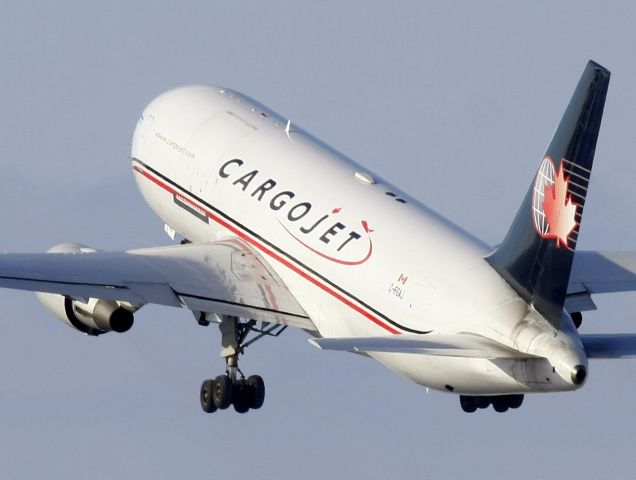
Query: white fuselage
{"x": 362, "y": 258}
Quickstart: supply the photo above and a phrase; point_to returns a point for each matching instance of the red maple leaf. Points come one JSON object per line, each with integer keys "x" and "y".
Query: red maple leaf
{"x": 559, "y": 209}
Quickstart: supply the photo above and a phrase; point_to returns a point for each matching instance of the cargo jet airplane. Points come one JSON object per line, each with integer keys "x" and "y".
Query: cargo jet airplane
{"x": 273, "y": 228}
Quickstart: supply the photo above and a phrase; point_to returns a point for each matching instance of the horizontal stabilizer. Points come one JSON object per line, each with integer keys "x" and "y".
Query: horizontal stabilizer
{"x": 610, "y": 346}
{"x": 459, "y": 345}
{"x": 603, "y": 272}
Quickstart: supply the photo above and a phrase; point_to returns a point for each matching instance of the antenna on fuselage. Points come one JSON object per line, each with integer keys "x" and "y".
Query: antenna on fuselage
{"x": 288, "y": 129}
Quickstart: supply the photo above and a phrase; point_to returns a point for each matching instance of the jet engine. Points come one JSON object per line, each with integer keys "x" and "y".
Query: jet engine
{"x": 94, "y": 317}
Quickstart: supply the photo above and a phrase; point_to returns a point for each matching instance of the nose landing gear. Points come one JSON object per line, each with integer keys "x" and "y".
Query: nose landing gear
{"x": 233, "y": 388}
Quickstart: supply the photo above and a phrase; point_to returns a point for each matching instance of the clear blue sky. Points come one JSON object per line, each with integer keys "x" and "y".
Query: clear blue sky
{"x": 453, "y": 101}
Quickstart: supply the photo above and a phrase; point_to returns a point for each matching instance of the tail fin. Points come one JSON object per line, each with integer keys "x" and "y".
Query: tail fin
{"x": 536, "y": 256}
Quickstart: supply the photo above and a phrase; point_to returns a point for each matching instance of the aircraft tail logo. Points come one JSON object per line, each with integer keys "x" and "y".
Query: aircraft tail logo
{"x": 554, "y": 213}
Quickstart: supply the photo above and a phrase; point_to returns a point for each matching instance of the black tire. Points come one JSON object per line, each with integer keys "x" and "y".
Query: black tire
{"x": 241, "y": 396}
{"x": 256, "y": 387}
{"x": 468, "y": 403}
{"x": 483, "y": 402}
{"x": 207, "y": 404}
{"x": 515, "y": 401}
{"x": 222, "y": 392}
{"x": 500, "y": 403}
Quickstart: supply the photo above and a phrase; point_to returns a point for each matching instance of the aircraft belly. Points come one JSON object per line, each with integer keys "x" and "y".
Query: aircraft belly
{"x": 475, "y": 376}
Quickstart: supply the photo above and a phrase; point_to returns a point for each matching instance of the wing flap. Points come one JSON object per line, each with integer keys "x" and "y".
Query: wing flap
{"x": 458, "y": 345}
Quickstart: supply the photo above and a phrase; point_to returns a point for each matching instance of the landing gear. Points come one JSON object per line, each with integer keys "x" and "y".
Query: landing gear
{"x": 577, "y": 319}
{"x": 256, "y": 386}
{"x": 233, "y": 388}
{"x": 222, "y": 391}
{"x": 207, "y": 403}
{"x": 500, "y": 403}
{"x": 468, "y": 404}
{"x": 241, "y": 396}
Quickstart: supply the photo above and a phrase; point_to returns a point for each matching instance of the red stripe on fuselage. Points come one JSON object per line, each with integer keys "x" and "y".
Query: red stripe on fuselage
{"x": 271, "y": 253}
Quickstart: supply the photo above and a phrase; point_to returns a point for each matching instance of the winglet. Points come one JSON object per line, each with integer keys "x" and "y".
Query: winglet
{"x": 536, "y": 255}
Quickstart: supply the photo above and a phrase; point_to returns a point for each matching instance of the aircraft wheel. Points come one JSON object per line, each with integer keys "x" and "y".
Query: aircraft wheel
{"x": 256, "y": 389}
{"x": 241, "y": 396}
{"x": 483, "y": 402}
{"x": 207, "y": 404}
{"x": 222, "y": 392}
{"x": 515, "y": 401}
{"x": 500, "y": 403}
{"x": 468, "y": 404}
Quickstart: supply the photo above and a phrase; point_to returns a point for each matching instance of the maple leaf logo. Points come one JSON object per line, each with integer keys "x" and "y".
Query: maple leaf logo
{"x": 559, "y": 209}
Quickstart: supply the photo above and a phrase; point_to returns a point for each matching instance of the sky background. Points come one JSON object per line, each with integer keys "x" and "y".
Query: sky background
{"x": 454, "y": 101}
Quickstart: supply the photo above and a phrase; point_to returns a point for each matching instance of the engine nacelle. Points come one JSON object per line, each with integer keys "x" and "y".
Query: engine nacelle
{"x": 93, "y": 317}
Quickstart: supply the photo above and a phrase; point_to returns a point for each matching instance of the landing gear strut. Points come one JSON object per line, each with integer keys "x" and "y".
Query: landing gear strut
{"x": 233, "y": 388}
{"x": 501, "y": 403}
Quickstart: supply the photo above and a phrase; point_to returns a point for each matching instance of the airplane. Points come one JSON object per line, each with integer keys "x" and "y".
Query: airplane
{"x": 273, "y": 228}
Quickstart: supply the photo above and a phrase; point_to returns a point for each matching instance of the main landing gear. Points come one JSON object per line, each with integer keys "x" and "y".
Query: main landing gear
{"x": 501, "y": 403}
{"x": 233, "y": 388}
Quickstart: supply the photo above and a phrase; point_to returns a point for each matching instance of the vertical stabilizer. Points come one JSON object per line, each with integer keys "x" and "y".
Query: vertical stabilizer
{"x": 536, "y": 255}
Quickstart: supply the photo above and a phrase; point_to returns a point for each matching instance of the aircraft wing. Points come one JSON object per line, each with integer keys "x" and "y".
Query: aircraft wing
{"x": 456, "y": 345}
{"x": 225, "y": 277}
{"x": 599, "y": 272}
{"x": 610, "y": 346}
